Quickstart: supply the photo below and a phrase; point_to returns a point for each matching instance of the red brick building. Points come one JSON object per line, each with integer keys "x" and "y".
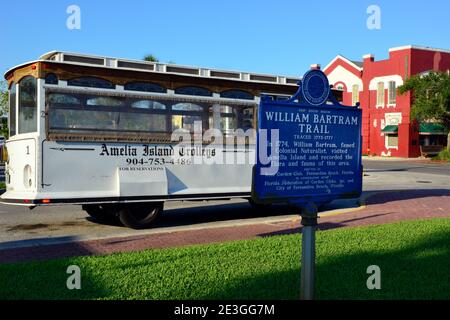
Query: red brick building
{"x": 387, "y": 129}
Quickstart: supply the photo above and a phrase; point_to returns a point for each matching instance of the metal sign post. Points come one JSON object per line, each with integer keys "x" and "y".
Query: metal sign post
{"x": 308, "y": 154}
{"x": 308, "y": 267}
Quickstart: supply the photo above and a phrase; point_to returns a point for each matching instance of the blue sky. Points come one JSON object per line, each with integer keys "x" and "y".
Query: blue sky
{"x": 280, "y": 37}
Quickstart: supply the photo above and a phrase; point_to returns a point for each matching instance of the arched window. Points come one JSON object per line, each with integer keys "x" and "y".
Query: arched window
{"x": 62, "y": 98}
{"x": 91, "y": 82}
{"x": 194, "y": 91}
{"x": 148, "y": 104}
{"x": 105, "y": 102}
{"x": 12, "y": 110}
{"x": 145, "y": 87}
{"x": 236, "y": 94}
{"x": 51, "y": 78}
{"x": 185, "y": 106}
{"x": 27, "y": 105}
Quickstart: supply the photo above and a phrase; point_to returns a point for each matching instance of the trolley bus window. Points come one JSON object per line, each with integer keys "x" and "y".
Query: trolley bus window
{"x": 187, "y": 107}
{"x": 51, "y": 78}
{"x": 247, "y": 118}
{"x": 223, "y": 118}
{"x": 227, "y": 119}
{"x": 145, "y": 87}
{"x": 141, "y": 117}
{"x": 27, "y": 105}
{"x": 71, "y": 113}
{"x": 184, "y": 116}
{"x": 236, "y": 94}
{"x": 12, "y": 110}
{"x": 74, "y": 120}
{"x": 91, "y": 82}
{"x": 95, "y": 114}
{"x": 142, "y": 122}
{"x": 63, "y": 99}
{"x": 184, "y": 122}
{"x": 148, "y": 104}
{"x": 194, "y": 91}
{"x": 105, "y": 101}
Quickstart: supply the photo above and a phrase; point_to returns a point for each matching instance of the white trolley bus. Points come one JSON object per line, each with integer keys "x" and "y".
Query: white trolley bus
{"x": 97, "y": 131}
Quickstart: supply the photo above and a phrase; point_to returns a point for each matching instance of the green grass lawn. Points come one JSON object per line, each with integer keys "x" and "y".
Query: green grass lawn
{"x": 414, "y": 258}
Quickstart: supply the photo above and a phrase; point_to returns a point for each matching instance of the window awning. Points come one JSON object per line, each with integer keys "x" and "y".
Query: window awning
{"x": 432, "y": 128}
{"x": 390, "y": 129}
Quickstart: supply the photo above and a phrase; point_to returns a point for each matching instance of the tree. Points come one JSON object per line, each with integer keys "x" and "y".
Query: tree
{"x": 4, "y": 108}
{"x": 431, "y": 98}
{"x": 151, "y": 58}
{"x": 3, "y": 97}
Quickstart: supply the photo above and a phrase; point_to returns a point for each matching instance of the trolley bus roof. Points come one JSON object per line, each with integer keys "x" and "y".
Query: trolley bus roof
{"x": 71, "y": 58}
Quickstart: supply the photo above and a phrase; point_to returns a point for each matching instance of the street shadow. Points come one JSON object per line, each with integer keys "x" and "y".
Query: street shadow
{"x": 322, "y": 226}
{"x": 219, "y": 212}
{"x": 44, "y": 248}
{"x": 344, "y": 223}
{"x": 207, "y": 213}
{"x": 389, "y": 195}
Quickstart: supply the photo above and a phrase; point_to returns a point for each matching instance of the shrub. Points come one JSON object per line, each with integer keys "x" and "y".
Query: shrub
{"x": 443, "y": 155}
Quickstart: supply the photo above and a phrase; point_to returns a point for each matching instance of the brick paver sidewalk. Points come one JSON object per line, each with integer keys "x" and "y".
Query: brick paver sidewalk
{"x": 381, "y": 208}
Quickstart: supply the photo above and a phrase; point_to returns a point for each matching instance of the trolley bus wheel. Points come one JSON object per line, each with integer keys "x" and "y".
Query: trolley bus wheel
{"x": 98, "y": 212}
{"x": 140, "y": 215}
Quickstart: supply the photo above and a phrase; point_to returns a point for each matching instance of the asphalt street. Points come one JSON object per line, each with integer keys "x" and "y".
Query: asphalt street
{"x": 20, "y": 226}
{"x": 397, "y": 165}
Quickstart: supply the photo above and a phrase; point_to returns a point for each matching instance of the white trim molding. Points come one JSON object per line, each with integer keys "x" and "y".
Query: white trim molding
{"x": 344, "y": 59}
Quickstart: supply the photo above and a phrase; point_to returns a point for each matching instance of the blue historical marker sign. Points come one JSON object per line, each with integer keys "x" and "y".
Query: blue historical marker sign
{"x": 308, "y": 148}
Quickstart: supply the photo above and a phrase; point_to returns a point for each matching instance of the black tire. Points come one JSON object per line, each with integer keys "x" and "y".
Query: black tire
{"x": 259, "y": 206}
{"x": 99, "y": 212}
{"x": 140, "y": 215}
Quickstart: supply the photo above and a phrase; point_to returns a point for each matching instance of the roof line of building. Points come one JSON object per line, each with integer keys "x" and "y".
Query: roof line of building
{"x": 339, "y": 56}
{"x": 418, "y": 48}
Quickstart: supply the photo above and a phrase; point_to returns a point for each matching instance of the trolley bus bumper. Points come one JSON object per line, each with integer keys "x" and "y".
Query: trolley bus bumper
{"x": 61, "y": 201}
